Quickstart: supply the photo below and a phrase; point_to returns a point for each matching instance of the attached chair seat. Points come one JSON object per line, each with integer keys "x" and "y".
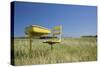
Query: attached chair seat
{"x": 52, "y": 42}
{"x": 56, "y": 32}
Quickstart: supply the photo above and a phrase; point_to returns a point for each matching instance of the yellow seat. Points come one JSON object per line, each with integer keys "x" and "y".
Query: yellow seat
{"x": 56, "y": 32}
{"x": 52, "y": 42}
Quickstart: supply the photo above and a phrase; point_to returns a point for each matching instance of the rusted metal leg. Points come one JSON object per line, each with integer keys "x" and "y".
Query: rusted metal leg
{"x": 30, "y": 46}
{"x": 51, "y": 46}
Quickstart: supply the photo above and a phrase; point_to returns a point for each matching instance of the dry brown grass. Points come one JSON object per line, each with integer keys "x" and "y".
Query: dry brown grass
{"x": 70, "y": 50}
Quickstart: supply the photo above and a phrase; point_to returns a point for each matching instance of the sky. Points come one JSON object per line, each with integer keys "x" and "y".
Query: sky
{"x": 76, "y": 20}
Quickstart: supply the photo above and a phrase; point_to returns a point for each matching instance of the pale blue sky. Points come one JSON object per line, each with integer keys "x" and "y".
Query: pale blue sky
{"x": 76, "y": 20}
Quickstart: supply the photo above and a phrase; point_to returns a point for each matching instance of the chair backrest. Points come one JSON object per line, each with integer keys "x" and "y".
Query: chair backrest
{"x": 56, "y": 32}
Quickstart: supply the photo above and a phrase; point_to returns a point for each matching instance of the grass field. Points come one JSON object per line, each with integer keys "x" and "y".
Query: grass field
{"x": 69, "y": 50}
